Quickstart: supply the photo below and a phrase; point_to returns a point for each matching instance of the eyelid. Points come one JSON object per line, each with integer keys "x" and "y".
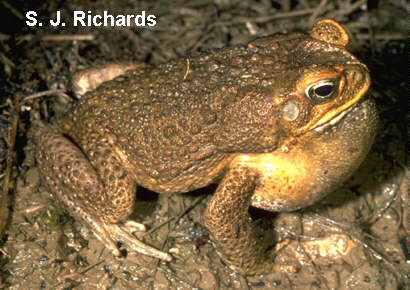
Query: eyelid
{"x": 322, "y": 82}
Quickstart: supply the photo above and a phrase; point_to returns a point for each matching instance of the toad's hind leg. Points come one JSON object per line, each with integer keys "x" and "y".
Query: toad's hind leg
{"x": 98, "y": 199}
{"x": 233, "y": 233}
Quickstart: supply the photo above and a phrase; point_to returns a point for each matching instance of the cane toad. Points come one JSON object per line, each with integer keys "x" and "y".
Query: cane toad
{"x": 278, "y": 123}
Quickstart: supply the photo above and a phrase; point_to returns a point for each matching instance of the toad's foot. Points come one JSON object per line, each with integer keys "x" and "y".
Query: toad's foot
{"x": 89, "y": 79}
{"x": 109, "y": 234}
{"x": 133, "y": 226}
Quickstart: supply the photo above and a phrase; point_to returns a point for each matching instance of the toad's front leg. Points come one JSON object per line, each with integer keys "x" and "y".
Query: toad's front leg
{"x": 233, "y": 233}
{"x": 96, "y": 188}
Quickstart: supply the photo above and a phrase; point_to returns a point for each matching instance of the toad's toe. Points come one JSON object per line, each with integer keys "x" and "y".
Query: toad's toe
{"x": 115, "y": 232}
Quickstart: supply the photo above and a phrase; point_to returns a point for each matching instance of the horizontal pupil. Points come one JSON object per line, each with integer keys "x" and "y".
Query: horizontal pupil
{"x": 324, "y": 91}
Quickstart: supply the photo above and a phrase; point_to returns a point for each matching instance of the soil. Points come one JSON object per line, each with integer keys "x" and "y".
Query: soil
{"x": 356, "y": 238}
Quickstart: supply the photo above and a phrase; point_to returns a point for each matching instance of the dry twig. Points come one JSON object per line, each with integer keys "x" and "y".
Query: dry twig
{"x": 46, "y": 93}
{"x": 76, "y": 275}
{"x": 10, "y": 159}
{"x": 58, "y": 37}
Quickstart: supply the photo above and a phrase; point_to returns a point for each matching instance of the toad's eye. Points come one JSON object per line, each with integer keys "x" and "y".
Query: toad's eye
{"x": 321, "y": 92}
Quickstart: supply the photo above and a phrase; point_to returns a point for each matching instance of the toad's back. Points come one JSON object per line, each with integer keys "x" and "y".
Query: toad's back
{"x": 184, "y": 116}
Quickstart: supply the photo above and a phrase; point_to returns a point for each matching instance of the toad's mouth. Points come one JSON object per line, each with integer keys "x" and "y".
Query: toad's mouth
{"x": 333, "y": 121}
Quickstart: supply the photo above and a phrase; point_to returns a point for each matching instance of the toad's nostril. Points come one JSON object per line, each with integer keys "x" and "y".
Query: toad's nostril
{"x": 354, "y": 75}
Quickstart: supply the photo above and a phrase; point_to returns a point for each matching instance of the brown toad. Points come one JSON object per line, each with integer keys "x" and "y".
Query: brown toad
{"x": 278, "y": 124}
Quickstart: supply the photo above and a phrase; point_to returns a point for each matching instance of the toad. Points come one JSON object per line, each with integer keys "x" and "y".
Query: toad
{"x": 278, "y": 124}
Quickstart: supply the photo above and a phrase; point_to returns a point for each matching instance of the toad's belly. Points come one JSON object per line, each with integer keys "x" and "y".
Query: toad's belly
{"x": 295, "y": 177}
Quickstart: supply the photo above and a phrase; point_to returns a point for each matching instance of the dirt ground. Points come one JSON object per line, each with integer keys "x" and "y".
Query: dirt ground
{"x": 356, "y": 238}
